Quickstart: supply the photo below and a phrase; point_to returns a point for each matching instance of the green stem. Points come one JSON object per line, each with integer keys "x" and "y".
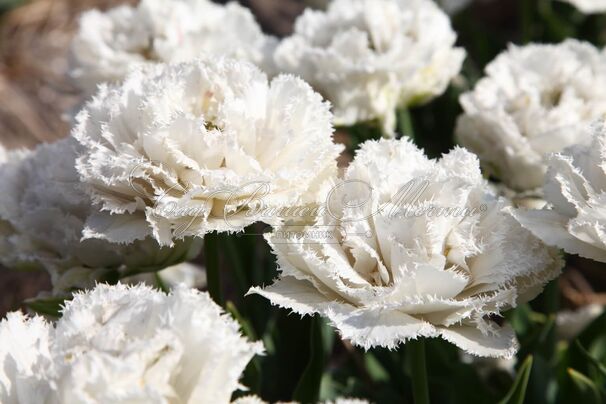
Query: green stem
{"x": 160, "y": 283}
{"x": 526, "y": 9}
{"x": 405, "y": 125}
{"x": 552, "y": 297}
{"x": 360, "y": 133}
{"x": 236, "y": 247}
{"x": 552, "y": 302}
{"x": 211, "y": 258}
{"x": 420, "y": 389}
{"x": 308, "y": 388}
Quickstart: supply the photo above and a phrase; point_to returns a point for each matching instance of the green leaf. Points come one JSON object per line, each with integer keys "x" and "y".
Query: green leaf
{"x": 546, "y": 341}
{"x": 234, "y": 245}
{"x": 328, "y": 388}
{"x": 253, "y": 374}
{"x": 405, "y": 124}
{"x": 375, "y": 369}
{"x": 447, "y": 373}
{"x": 359, "y": 133}
{"x": 586, "y": 390}
{"x": 49, "y": 307}
{"x": 6, "y": 5}
{"x": 308, "y": 388}
{"x": 598, "y": 349}
{"x": 517, "y": 393}
{"x": 597, "y": 365}
{"x": 593, "y": 330}
{"x": 420, "y": 388}
{"x": 535, "y": 331}
{"x": 244, "y": 323}
{"x": 161, "y": 258}
{"x": 160, "y": 283}
{"x": 211, "y": 261}
{"x": 520, "y": 319}
{"x": 555, "y": 27}
{"x": 390, "y": 360}
{"x": 542, "y": 386}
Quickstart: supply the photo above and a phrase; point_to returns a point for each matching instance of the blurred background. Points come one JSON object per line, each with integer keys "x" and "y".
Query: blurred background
{"x": 35, "y": 91}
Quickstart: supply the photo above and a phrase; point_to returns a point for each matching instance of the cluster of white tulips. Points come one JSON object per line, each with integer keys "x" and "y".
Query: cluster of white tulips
{"x": 194, "y": 122}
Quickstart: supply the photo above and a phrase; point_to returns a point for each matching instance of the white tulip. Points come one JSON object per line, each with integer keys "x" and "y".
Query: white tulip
{"x": 575, "y": 189}
{"x": 535, "y": 99}
{"x": 368, "y": 57}
{"x": 200, "y": 147}
{"x": 24, "y": 356}
{"x": 124, "y": 345}
{"x": 109, "y": 44}
{"x": 43, "y": 210}
{"x": 398, "y": 261}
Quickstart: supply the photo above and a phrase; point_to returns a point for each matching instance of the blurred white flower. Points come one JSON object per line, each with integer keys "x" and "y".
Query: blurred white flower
{"x": 570, "y": 323}
{"x": 185, "y": 273}
{"x": 436, "y": 258}
{"x": 536, "y": 99}
{"x": 24, "y": 355}
{"x": 453, "y": 6}
{"x": 486, "y": 367}
{"x": 108, "y": 45}
{"x": 249, "y": 400}
{"x": 4, "y": 153}
{"x": 124, "y": 344}
{"x": 575, "y": 189}
{"x": 200, "y": 147}
{"x": 532, "y": 199}
{"x": 368, "y": 57}
{"x": 588, "y": 6}
{"x": 43, "y": 209}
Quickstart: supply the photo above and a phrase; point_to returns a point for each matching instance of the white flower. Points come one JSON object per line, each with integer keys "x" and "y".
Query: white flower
{"x": 369, "y": 57}
{"x": 429, "y": 253}
{"x": 487, "y": 366}
{"x": 185, "y": 273}
{"x": 201, "y": 147}
{"x": 570, "y": 323}
{"x": 536, "y": 99}
{"x": 125, "y": 344}
{"x": 249, "y": 400}
{"x": 589, "y": 6}
{"x": 24, "y": 354}
{"x": 4, "y": 153}
{"x": 532, "y": 199}
{"x": 575, "y": 189}
{"x": 43, "y": 209}
{"x": 108, "y": 45}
